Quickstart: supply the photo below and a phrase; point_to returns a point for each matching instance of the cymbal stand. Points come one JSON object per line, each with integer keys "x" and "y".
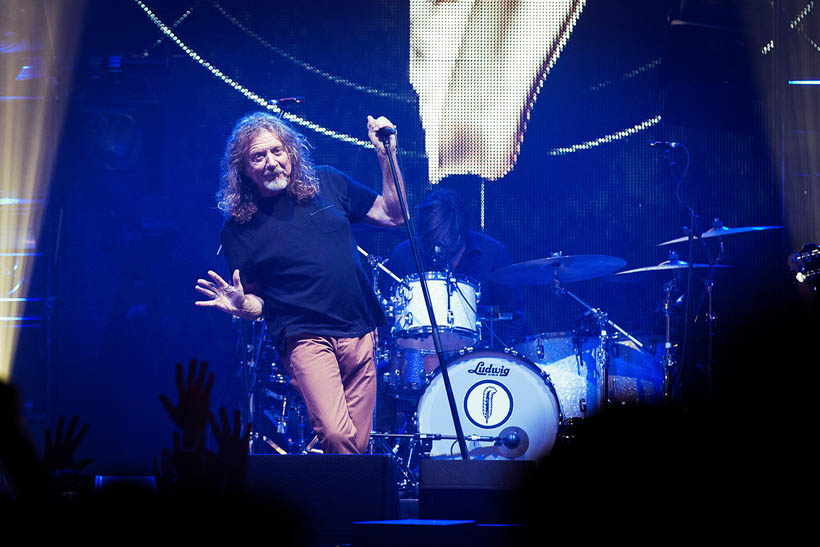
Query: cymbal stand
{"x": 408, "y": 479}
{"x": 376, "y": 263}
{"x": 602, "y": 357}
{"x": 668, "y": 355}
{"x": 710, "y": 333}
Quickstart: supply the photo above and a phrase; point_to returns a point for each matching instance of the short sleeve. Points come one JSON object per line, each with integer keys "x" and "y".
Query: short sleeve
{"x": 354, "y": 199}
{"x": 237, "y": 256}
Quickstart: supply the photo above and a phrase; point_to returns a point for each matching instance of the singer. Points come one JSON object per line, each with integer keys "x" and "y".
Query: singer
{"x": 289, "y": 246}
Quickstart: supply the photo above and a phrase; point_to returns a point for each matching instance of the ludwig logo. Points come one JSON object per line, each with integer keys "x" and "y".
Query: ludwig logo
{"x": 483, "y": 369}
{"x": 488, "y": 404}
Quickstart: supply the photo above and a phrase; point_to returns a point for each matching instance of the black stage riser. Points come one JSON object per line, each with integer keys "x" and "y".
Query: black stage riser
{"x": 480, "y": 490}
{"x": 330, "y": 491}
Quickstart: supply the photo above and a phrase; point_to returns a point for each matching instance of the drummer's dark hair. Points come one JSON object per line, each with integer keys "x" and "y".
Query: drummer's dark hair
{"x": 442, "y": 219}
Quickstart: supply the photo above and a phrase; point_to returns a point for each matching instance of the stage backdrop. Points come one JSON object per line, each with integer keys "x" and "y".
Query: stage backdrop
{"x": 147, "y": 126}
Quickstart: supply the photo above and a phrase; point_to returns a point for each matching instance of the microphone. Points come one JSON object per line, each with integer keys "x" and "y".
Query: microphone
{"x": 286, "y": 101}
{"x": 384, "y": 133}
{"x": 510, "y": 440}
{"x": 664, "y": 145}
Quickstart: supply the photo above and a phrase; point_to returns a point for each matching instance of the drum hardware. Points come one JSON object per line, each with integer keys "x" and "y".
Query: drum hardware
{"x": 806, "y": 265}
{"x": 309, "y": 447}
{"x": 599, "y": 315}
{"x": 377, "y": 265}
{"x": 408, "y": 479}
{"x": 710, "y": 334}
{"x": 568, "y": 428}
{"x": 404, "y": 450}
{"x": 509, "y": 439}
{"x": 668, "y": 356}
{"x": 269, "y": 442}
{"x": 674, "y": 267}
{"x": 489, "y": 315}
{"x": 271, "y": 404}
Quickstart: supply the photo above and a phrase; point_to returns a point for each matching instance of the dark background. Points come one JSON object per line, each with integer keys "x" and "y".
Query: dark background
{"x": 139, "y": 167}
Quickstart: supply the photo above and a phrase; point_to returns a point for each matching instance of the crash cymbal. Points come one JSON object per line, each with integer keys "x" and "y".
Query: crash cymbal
{"x": 662, "y": 271}
{"x": 566, "y": 269}
{"x": 721, "y": 231}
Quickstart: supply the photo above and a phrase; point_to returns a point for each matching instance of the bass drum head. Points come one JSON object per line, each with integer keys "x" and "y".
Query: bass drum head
{"x": 497, "y": 394}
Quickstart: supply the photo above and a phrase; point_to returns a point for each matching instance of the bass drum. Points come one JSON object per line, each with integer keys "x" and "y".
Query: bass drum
{"x": 497, "y": 394}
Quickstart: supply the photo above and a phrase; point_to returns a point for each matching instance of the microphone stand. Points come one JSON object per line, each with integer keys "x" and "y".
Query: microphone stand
{"x": 384, "y": 137}
{"x": 692, "y": 233}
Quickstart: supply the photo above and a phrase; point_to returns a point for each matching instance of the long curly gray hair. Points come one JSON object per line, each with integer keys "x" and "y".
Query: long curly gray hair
{"x": 238, "y": 195}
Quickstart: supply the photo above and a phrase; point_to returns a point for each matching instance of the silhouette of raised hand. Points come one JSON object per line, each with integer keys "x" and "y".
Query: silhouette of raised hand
{"x": 233, "y": 446}
{"x": 191, "y": 415}
{"x": 59, "y": 455}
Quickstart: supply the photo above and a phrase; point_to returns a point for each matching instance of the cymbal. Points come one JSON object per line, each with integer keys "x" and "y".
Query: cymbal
{"x": 721, "y": 231}
{"x": 662, "y": 270}
{"x": 566, "y": 269}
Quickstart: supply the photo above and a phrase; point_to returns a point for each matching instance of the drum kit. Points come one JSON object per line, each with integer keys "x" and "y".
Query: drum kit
{"x": 513, "y": 403}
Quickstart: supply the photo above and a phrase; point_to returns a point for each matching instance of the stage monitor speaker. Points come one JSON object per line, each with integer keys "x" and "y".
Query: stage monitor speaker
{"x": 329, "y": 491}
{"x": 481, "y": 490}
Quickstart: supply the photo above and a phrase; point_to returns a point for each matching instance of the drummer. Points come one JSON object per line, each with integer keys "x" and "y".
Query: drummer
{"x": 447, "y": 244}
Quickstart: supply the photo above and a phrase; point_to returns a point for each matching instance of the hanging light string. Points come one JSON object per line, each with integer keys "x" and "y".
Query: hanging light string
{"x": 174, "y": 25}
{"x": 293, "y": 118}
{"x": 307, "y": 66}
{"x": 800, "y": 16}
{"x": 266, "y": 104}
{"x": 795, "y": 26}
{"x": 606, "y": 139}
{"x": 626, "y": 76}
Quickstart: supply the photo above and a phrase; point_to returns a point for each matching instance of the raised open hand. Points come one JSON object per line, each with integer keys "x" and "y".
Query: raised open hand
{"x": 191, "y": 416}
{"x": 223, "y": 296}
{"x": 59, "y": 455}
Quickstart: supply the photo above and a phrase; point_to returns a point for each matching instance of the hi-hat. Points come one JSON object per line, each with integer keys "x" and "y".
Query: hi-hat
{"x": 721, "y": 231}
{"x": 662, "y": 270}
{"x": 565, "y": 269}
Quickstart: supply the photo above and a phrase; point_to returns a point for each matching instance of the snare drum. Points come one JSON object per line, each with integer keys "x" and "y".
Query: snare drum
{"x": 496, "y": 394}
{"x": 454, "y": 298}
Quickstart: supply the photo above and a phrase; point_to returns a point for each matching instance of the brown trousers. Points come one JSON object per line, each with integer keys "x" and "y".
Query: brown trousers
{"x": 337, "y": 380}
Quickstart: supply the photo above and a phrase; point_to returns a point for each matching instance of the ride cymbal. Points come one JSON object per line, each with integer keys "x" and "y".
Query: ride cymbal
{"x": 565, "y": 269}
{"x": 720, "y": 232}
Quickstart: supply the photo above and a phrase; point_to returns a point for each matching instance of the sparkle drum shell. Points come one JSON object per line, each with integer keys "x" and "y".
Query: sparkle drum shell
{"x": 494, "y": 392}
{"x": 635, "y": 376}
{"x": 454, "y": 298}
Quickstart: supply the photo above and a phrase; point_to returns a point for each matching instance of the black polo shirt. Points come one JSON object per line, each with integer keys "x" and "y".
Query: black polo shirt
{"x": 301, "y": 259}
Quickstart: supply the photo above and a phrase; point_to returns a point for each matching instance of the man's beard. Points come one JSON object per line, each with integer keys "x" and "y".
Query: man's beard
{"x": 280, "y": 182}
